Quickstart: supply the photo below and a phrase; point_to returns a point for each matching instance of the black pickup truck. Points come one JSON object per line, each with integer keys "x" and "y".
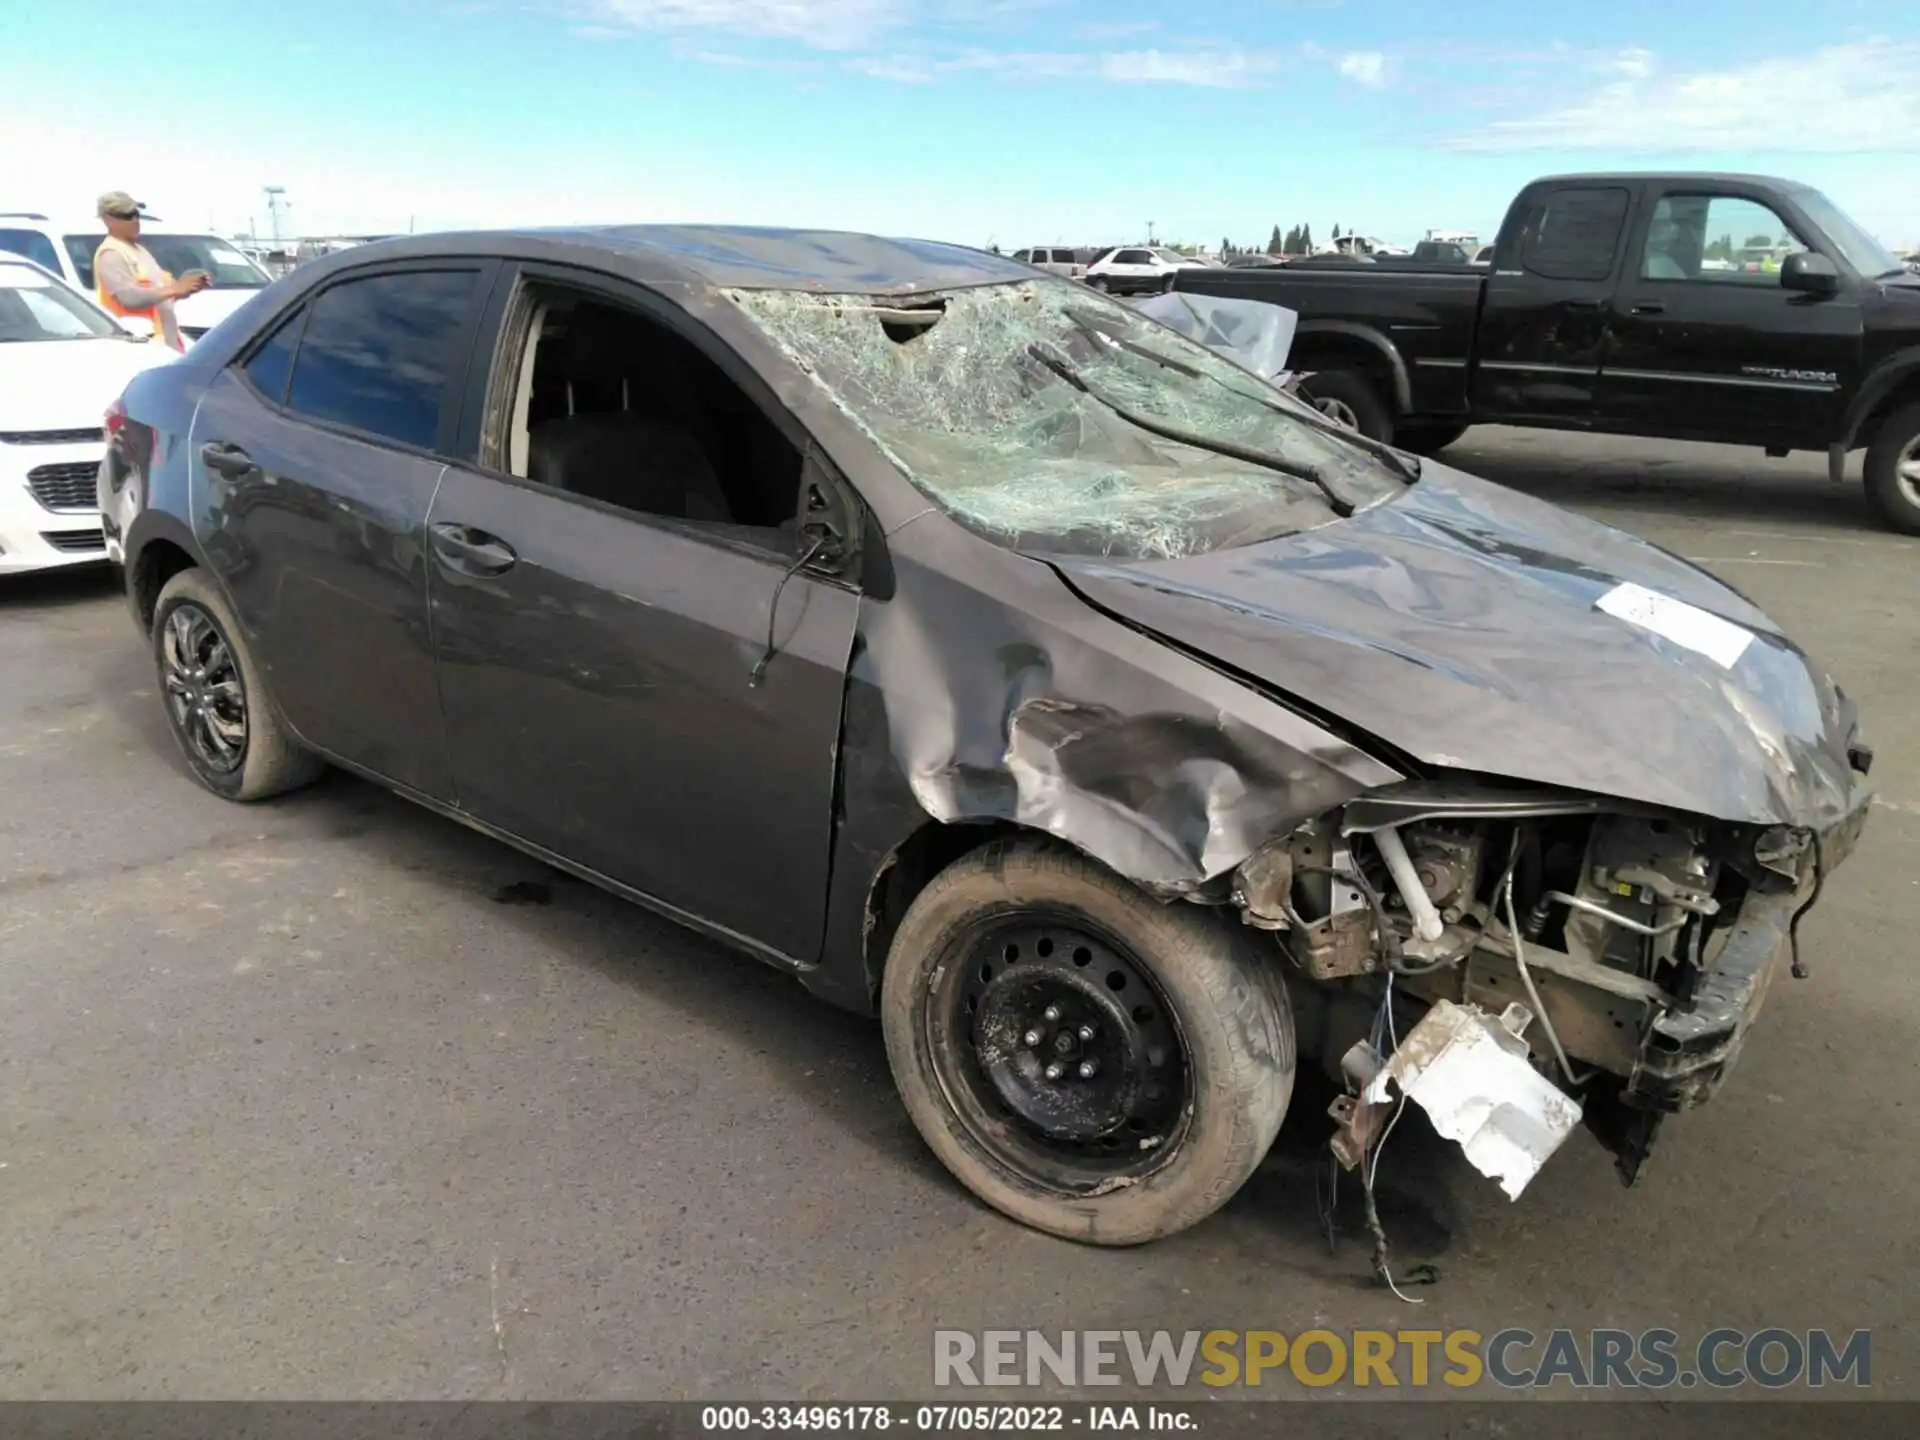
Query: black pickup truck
{"x": 1730, "y": 308}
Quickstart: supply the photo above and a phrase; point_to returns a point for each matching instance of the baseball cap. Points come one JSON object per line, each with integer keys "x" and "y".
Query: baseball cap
{"x": 119, "y": 204}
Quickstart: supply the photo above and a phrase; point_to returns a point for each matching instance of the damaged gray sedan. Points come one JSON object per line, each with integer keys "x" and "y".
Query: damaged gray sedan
{"x": 995, "y": 658}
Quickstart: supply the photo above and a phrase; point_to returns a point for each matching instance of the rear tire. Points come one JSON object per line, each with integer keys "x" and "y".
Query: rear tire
{"x": 1427, "y": 439}
{"x": 1074, "y": 1157}
{"x": 1350, "y": 398}
{"x": 215, "y": 697}
{"x": 1893, "y": 471}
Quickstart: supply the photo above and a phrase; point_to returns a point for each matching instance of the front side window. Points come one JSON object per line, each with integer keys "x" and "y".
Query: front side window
{"x": 1043, "y": 417}
{"x": 377, "y": 352}
{"x": 1133, "y": 257}
{"x": 32, "y": 244}
{"x": 1572, "y": 234}
{"x": 1722, "y": 239}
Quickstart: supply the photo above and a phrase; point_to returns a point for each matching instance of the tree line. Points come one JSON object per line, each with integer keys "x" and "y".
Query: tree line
{"x": 1296, "y": 240}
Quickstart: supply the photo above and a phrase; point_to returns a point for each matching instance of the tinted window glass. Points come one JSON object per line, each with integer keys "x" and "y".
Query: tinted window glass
{"x": 33, "y": 245}
{"x": 1133, "y": 257}
{"x": 376, "y": 353}
{"x": 1572, "y": 234}
{"x": 80, "y": 250}
{"x": 1720, "y": 238}
{"x": 271, "y": 363}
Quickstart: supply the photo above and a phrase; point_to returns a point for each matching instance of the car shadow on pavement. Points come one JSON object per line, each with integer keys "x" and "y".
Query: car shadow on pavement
{"x": 1681, "y": 480}
{"x": 70, "y": 585}
{"x": 831, "y": 1060}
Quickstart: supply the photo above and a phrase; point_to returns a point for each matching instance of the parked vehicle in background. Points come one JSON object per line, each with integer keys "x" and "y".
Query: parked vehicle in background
{"x": 1360, "y": 245}
{"x": 1042, "y": 682}
{"x": 63, "y": 362}
{"x": 1467, "y": 240}
{"x": 1740, "y": 309}
{"x": 1483, "y": 256}
{"x": 1139, "y": 269}
{"x": 67, "y": 250}
{"x": 1055, "y": 259}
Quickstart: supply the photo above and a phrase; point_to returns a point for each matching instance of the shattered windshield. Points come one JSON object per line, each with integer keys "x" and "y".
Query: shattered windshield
{"x": 1034, "y": 413}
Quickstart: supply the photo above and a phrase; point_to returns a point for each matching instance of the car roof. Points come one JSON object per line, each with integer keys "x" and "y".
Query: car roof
{"x": 1697, "y": 177}
{"x": 718, "y": 256}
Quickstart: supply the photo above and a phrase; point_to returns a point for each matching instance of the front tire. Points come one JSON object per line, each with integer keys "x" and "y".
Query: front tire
{"x": 215, "y": 697}
{"x": 1350, "y": 398}
{"x": 1087, "y": 1060}
{"x": 1893, "y": 471}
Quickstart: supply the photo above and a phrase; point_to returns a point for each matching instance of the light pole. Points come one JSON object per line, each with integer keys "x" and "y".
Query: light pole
{"x": 275, "y": 204}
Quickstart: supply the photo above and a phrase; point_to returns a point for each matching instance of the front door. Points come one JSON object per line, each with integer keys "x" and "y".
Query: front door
{"x": 1708, "y": 346}
{"x": 1543, "y": 322}
{"x": 598, "y": 672}
{"x": 315, "y": 458}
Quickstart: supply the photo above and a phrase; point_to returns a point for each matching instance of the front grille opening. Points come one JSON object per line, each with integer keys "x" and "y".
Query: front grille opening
{"x": 65, "y": 487}
{"x": 75, "y": 542}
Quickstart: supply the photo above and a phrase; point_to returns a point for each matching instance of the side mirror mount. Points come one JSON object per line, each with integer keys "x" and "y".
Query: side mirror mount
{"x": 1810, "y": 274}
{"x": 828, "y": 518}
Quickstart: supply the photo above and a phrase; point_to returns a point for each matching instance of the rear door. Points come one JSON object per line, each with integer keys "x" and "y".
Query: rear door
{"x": 315, "y": 457}
{"x": 1544, "y": 315}
{"x": 1707, "y": 345}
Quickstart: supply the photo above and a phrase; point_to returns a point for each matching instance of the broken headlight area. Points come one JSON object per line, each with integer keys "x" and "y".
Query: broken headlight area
{"x": 1573, "y": 957}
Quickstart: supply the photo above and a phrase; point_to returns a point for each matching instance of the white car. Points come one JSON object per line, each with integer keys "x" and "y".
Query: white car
{"x": 63, "y": 361}
{"x": 67, "y": 250}
{"x": 1055, "y": 258}
{"x": 1139, "y": 269}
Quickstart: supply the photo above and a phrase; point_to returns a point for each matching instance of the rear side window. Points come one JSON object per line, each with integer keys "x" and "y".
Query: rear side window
{"x": 32, "y": 244}
{"x": 377, "y": 353}
{"x": 1133, "y": 257}
{"x": 273, "y": 361}
{"x": 1572, "y": 234}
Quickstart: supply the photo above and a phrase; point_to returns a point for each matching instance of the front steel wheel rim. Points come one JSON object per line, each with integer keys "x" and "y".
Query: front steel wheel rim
{"x": 1338, "y": 411}
{"x": 1906, "y": 472}
{"x": 205, "y": 694}
{"x": 1060, "y": 1055}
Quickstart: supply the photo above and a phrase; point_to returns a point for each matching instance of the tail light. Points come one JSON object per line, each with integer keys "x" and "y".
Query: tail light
{"x": 116, "y": 417}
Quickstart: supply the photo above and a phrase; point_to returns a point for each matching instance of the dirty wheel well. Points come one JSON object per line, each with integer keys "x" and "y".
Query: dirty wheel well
{"x": 158, "y": 563}
{"x": 1343, "y": 352}
{"x": 1896, "y": 399}
{"x": 923, "y": 855}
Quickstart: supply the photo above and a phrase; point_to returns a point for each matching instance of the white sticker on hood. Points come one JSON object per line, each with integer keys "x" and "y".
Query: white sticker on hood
{"x": 1721, "y": 641}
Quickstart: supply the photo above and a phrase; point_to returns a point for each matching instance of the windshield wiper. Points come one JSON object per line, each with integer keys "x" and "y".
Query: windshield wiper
{"x": 1338, "y": 503}
{"x": 1407, "y": 467}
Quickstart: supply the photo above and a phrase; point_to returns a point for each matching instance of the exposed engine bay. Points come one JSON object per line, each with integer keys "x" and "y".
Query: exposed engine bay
{"x": 1630, "y": 948}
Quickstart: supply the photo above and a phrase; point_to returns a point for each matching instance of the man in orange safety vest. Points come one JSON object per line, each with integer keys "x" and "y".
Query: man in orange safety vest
{"x": 128, "y": 281}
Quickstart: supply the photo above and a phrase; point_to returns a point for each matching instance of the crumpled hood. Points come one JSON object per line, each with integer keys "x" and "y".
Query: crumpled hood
{"x": 1461, "y": 624}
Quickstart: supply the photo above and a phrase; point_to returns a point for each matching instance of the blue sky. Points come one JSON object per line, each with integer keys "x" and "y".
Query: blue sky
{"x": 1013, "y": 121}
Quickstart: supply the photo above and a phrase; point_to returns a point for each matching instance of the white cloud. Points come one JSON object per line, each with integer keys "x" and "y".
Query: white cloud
{"x": 1221, "y": 69}
{"x": 1364, "y": 67}
{"x": 826, "y": 24}
{"x": 1859, "y": 97}
{"x": 906, "y": 69}
{"x": 1634, "y": 63}
{"x": 1214, "y": 69}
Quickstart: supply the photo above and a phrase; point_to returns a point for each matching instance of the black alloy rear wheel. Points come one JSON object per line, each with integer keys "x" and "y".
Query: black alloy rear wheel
{"x": 215, "y": 697}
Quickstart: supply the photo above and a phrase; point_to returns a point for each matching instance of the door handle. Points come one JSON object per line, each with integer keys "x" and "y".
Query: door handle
{"x": 471, "y": 551}
{"x": 1583, "y": 304}
{"x": 1651, "y": 307}
{"x": 228, "y": 461}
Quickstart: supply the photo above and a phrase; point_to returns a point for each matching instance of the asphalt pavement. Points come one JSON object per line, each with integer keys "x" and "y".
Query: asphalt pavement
{"x": 333, "y": 1098}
